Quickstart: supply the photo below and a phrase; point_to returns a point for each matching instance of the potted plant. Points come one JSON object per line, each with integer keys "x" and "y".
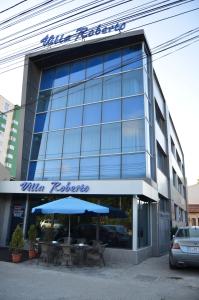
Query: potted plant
{"x": 16, "y": 244}
{"x": 32, "y": 234}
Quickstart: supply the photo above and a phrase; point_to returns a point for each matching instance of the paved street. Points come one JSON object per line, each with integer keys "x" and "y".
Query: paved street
{"x": 149, "y": 280}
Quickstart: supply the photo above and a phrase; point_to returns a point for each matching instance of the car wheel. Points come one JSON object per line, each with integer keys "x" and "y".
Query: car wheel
{"x": 172, "y": 265}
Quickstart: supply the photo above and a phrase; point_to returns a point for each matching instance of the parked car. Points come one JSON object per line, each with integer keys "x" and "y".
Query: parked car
{"x": 122, "y": 237}
{"x": 185, "y": 247}
{"x": 88, "y": 231}
{"x": 48, "y": 223}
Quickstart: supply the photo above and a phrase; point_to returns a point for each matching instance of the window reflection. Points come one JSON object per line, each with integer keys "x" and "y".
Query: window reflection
{"x": 72, "y": 139}
{"x": 36, "y": 170}
{"x": 131, "y": 58}
{"x": 90, "y": 140}
{"x": 70, "y": 169}
{"x": 52, "y": 169}
{"x": 43, "y": 103}
{"x": 59, "y": 98}
{"x": 77, "y": 71}
{"x": 133, "y": 107}
{"x": 132, "y": 83}
{"x": 133, "y": 165}
{"x": 47, "y": 79}
{"x": 94, "y": 66}
{"x": 112, "y": 87}
{"x": 74, "y": 117}
{"x": 41, "y": 122}
{"x": 76, "y": 94}
{"x": 38, "y": 146}
{"x": 54, "y": 144}
{"x": 110, "y": 167}
{"x": 61, "y": 76}
{"x": 57, "y": 120}
{"x": 112, "y": 62}
{"x": 89, "y": 168}
{"x": 92, "y": 114}
{"x": 93, "y": 90}
{"x": 133, "y": 137}
{"x": 111, "y": 138}
{"x": 111, "y": 111}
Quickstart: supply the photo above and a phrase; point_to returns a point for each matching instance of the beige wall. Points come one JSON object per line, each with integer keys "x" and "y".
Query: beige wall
{"x": 5, "y": 105}
{"x": 194, "y": 219}
{"x": 4, "y": 174}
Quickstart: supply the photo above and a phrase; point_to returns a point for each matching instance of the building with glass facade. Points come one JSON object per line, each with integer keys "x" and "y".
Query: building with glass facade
{"x": 96, "y": 125}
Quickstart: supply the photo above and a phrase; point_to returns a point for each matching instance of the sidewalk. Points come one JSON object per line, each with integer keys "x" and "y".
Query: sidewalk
{"x": 150, "y": 280}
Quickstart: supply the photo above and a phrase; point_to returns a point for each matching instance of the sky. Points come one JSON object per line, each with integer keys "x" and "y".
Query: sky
{"x": 178, "y": 73}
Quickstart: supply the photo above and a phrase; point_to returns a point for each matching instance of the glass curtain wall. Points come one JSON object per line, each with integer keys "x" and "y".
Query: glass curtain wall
{"x": 91, "y": 118}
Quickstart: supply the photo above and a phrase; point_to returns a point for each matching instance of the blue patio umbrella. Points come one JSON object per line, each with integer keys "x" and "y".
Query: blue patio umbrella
{"x": 70, "y": 206}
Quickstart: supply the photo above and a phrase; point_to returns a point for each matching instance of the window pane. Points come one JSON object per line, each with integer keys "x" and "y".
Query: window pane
{"x": 133, "y": 165}
{"x": 43, "y": 103}
{"x": 110, "y": 167}
{"x": 59, "y": 98}
{"x": 52, "y": 169}
{"x": 90, "y": 140}
{"x": 72, "y": 141}
{"x": 112, "y": 62}
{"x": 76, "y": 94}
{"x": 77, "y": 71}
{"x": 111, "y": 111}
{"x": 94, "y": 67}
{"x": 132, "y": 83}
{"x": 111, "y": 138}
{"x": 70, "y": 169}
{"x": 36, "y": 170}
{"x": 89, "y": 168}
{"x": 41, "y": 122}
{"x": 112, "y": 87}
{"x": 61, "y": 76}
{"x": 54, "y": 144}
{"x": 93, "y": 90}
{"x": 47, "y": 79}
{"x": 38, "y": 146}
{"x": 92, "y": 114}
{"x": 133, "y": 136}
{"x": 131, "y": 58}
{"x": 133, "y": 108}
{"x": 57, "y": 119}
{"x": 74, "y": 117}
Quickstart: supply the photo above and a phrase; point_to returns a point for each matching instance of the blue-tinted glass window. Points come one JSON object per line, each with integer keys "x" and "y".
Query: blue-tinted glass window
{"x": 43, "y": 102}
{"x": 41, "y": 122}
{"x": 111, "y": 138}
{"x": 110, "y": 167}
{"x": 112, "y": 62}
{"x": 61, "y": 76}
{"x": 112, "y": 87}
{"x": 54, "y": 144}
{"x": 72, "y": 142}
{"x": 89, "y": 168}
{"x": 133, "y": 136}
{"x": 47, "y": 79}
{"x": 38, "y": 146}
{"x": 59, "y": 98}
{"x": 94, "y": 67}
{"x": 133, "y": 107}
{"x": 74, "y": 117}
{"x": 36, "y": 170}
{"x": 133, "y": 165}
{"x": 52, "y": 169}
{"x": 93, "y": 90}
{"x": 92, "y": 114}
{"x": 77, "y": 71}
{"x": 76, "y": 94}
{"x": 70, "y": 169}
{"x": 132, "y": 83}
{"x": 111, "y": 111}
{"x": 131, "y": 58}
{"x": 57, "y": 119}
{"x": 90, "y": 140}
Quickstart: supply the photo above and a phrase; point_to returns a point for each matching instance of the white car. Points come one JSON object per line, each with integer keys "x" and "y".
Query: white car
{"x": 48, "y": 224}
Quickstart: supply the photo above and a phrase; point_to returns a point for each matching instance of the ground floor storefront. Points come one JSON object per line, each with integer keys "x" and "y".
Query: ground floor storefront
{"x": 131, "y": 232}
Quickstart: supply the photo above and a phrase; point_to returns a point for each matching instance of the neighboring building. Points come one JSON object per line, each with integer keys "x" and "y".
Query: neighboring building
{"x": 9, "y": 134}
{"x": 101, "y": 130}
{"x": 193, "y": 204}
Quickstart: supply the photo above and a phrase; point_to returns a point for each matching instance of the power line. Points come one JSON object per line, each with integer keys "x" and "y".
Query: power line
{"x": 19, "y": 3}
{"x": 179, "y": 2}
{"x": 134, "y": 60}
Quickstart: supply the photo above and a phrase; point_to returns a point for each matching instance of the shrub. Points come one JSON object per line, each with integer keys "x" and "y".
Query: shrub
{"x": 17, "y": 241}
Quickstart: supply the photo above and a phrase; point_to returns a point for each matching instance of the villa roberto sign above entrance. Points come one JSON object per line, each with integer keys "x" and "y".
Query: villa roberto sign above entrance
{"x": 81, "y": 33}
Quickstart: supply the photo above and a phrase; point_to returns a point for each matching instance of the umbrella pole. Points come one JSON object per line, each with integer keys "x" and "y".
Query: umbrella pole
{"x": 97, "y": 230}
{"x": 69, "y": 229}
